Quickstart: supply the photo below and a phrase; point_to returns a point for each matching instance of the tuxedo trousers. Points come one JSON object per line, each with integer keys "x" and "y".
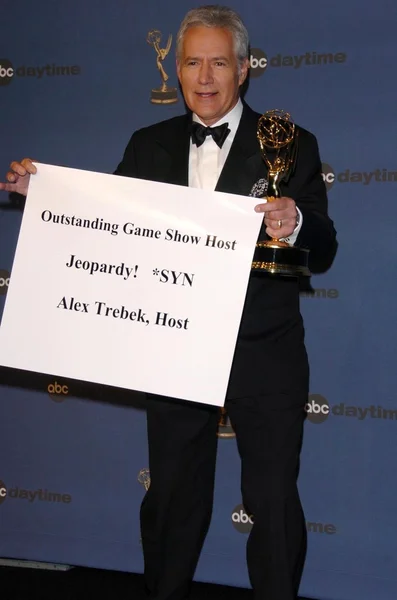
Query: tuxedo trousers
{"x": 176, "y": 510}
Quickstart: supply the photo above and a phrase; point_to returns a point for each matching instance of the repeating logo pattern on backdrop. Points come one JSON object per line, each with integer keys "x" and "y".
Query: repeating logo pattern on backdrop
{"x": 8, "y": 72}
{"x": 39, "y": 495}
{"x": 244, "y": 522}
{"x": 162, "y": 94}
{"x": 321, "y": 293}
{"x": 241, "y": 520}
{"x": 144, "y": 478}
{"x": 318, "y": 410}
{"x": 364, "y": 177}
{"x": 4, "y": 281}
{"x": 57, "y": 391}
{"x": 259, "y": 60}
{"x": 3, "y": 492}
{"x": 225, "y": 429}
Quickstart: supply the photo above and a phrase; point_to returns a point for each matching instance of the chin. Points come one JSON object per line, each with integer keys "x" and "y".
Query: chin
{"x": 207, "y": 113}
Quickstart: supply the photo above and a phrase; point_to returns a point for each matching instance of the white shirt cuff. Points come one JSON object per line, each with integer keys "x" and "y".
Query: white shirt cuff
{"x": 293, "y": 237}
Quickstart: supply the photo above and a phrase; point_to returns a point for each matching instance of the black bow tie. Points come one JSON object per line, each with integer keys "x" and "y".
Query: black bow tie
{"x": 200, "y": 132}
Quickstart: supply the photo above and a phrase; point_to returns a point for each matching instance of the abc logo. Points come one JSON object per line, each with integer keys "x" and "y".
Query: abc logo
{"x": 57, "y": 391}
{"x": 6, "y": 71}
{"x": 4, "y": 282}
{"x": 241, "y": 521}
{"x": 258, "y": 62}
{"x": 328, "y": 176}
{"x": 317, "y": 409}
{"x": 3, "y": 492}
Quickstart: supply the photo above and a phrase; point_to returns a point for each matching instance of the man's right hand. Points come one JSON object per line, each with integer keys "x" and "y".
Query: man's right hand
{"x": 18, "y": 177}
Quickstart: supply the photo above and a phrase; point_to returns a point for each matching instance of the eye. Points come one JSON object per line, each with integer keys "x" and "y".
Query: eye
{"x": 220, "y": 63}
{"x": 192, "y": 63}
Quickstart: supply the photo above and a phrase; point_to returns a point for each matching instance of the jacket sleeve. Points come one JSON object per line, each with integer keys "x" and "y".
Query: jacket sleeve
{"x": 317, "y": 232}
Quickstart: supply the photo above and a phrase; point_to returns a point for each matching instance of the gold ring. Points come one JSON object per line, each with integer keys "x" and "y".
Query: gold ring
{"x": 279, "y": 223}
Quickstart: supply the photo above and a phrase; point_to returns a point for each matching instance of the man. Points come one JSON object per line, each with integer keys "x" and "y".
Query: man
{"x": 268, "y": 385}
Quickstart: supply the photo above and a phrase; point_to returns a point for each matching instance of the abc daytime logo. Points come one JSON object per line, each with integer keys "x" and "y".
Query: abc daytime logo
{"x": 321, "y": 293}
{"x": 328, "y": 175}
{"x": 259, "y": 61}
{"x": 57, "y": 391}
{"x": 241, "y": 520}
{"x": 3, "y": 492}
{"x": 244, "y": 523}
{"x": 8, "y": 72}
{"x": 318, "y": 410}
{"x": 39, "y": 495}
{"x": 364, "y": 177}
{"x": 4, "y": 281}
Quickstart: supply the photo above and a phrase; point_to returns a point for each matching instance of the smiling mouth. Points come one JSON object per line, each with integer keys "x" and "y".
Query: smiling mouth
{"x": 206, "y": 94}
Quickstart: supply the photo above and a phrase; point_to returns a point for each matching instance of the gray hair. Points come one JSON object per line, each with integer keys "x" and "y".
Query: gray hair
{"x": 216, "y": 16}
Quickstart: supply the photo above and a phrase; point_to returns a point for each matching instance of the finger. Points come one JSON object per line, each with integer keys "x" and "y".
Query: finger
{"x": 23, "y": 167}
{"x": 29, "y": 166}
{"x": 17, "y": 168}
{"x": 12, "y": 177}
{"x": 276, "y": 207}
{"x": 274, "y": 218}
{"x": 276, "y": 232}
{"x": 281, "y": 203}
{"x": 260, "y": 207}
{"x": 7, "y": 187}
{"x": 281, "y": 215}
{"x": 279, "y": 223}
{"x": 275, "y": 226}
{"x": 286, "y": 200}
{"x": 277, "y": 203}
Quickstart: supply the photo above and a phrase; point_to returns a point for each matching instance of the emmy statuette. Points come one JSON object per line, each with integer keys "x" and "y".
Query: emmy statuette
{"x": 277, "y": 135}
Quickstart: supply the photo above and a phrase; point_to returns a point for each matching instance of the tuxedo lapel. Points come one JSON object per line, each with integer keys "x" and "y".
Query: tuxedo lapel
{"x": 173, "y": 152}
{"x": 244, "y": 164}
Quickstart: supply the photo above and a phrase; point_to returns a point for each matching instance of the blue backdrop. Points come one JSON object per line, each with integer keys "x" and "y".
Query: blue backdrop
{"x": 75, "y": 81}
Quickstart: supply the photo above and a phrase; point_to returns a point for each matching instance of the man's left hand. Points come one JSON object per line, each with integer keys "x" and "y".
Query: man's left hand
{"x": 280, "y": 216}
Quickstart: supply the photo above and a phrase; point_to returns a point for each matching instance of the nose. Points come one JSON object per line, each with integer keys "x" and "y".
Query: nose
{"x": 205, "y": 74}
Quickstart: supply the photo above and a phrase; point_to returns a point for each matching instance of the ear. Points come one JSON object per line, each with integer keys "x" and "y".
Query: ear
{"x": 178, "y": 69}
{"x": 243, "y": 71}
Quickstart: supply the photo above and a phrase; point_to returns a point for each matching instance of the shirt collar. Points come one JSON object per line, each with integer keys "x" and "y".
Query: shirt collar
{"x": 232, "y": 117}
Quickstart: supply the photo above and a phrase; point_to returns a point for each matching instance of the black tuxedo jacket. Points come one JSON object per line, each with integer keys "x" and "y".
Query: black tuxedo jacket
{"x": 270, "y": 356}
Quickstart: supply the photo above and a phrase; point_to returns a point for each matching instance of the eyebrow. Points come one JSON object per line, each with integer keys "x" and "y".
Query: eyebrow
{"x": 213, "y": 58}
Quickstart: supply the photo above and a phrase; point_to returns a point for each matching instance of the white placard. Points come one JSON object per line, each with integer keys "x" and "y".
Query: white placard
{"x": 129, "y": 283}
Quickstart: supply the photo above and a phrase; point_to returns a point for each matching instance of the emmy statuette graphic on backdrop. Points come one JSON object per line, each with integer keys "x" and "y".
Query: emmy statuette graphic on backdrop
{"x": 163, "y": 94}
{"x": 144, "y": 478}
{"x": 278, "y": 141}
{"x": 225, "y": 429}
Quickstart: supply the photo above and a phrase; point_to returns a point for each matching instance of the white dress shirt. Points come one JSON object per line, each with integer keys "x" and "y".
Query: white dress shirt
{"x": 207, "y": 161}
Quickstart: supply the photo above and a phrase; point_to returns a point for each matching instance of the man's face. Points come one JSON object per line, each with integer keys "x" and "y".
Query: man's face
{"x": 208, "y": 72}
